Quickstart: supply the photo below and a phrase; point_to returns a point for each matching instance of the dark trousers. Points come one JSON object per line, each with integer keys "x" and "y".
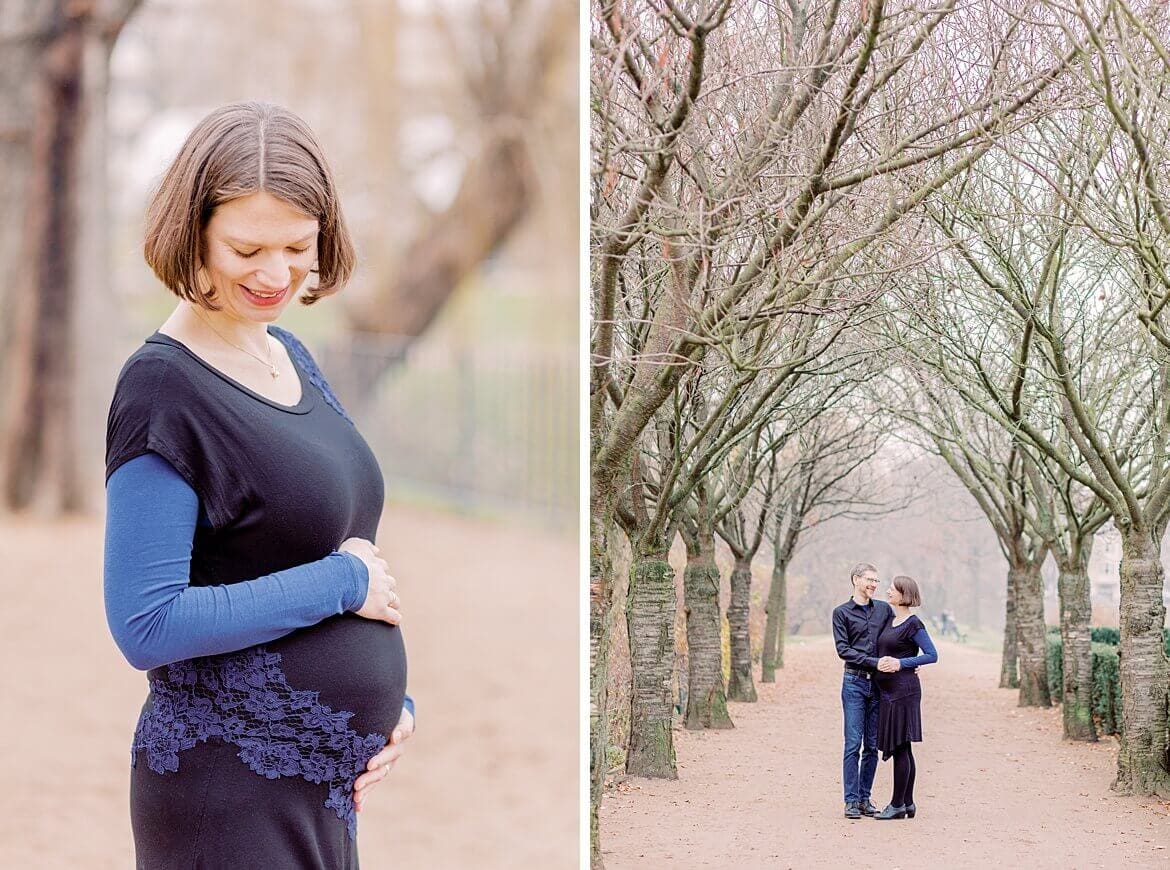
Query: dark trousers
{"x": 859, "y": 701}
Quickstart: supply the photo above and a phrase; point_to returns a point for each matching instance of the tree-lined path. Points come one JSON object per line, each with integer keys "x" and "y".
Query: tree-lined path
{"x": 996, "y": 786}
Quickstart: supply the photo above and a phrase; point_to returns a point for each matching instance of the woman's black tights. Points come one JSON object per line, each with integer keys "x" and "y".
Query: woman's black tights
{"x": 903, "y": 776}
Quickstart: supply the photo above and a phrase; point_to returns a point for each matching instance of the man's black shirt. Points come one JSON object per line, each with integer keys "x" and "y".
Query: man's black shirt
{"x": 856, "y": 630}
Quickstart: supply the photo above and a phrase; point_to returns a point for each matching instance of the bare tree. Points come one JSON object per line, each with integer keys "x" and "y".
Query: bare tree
{"x": 1096, "y": 366}
{"x": 717, "y": 407}
{"x": 991, "y": 466}
{"x": 706, "y": 705}
{"x": 505, "y": 51}
{"x": 828, "y": 475}
{"x": 849, "y": 136}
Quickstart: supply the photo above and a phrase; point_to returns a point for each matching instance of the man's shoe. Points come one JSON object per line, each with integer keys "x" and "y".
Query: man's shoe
{"x": 910, "y": 810}
{"x": 867, "y": 808}
{"x": 852, "y": 811}
{"x": 891, "y": 812}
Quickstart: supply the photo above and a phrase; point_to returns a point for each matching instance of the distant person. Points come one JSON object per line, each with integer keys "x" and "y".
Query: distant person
{"x": 857, "y": 624}
{"x": 242, "y": 507}
{"x": 900, "y": 715}
{"x": 949, "y": 626}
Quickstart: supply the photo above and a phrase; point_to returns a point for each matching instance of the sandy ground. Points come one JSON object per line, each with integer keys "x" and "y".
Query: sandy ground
{"x": 996, "y": 786}
{"x": 490, "y": 779}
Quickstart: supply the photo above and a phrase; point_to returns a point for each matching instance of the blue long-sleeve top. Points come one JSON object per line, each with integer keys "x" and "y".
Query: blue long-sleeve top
{"x": 157, "y": 617}
{"x": 929, "y": 654}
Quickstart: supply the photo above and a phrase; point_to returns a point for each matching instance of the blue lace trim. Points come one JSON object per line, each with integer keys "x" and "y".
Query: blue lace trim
{"x": 244, "y": 699}
{"x": 301, "y": 354}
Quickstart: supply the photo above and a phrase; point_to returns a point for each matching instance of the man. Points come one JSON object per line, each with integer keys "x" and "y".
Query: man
{"x": 856, "y": 626}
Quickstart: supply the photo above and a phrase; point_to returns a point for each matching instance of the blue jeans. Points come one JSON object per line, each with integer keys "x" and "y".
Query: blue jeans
{"x": 859, "y": 700}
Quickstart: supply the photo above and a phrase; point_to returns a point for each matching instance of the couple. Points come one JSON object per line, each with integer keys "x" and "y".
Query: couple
{"x": 880, "y": 694}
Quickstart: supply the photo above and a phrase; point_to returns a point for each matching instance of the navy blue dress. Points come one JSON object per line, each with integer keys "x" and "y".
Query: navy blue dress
{"x": 248, "y": 758}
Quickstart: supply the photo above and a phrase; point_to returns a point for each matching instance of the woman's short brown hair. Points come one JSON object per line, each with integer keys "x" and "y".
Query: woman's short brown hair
{"x": 239, "y": 149}
{"x": 911, "y": 597}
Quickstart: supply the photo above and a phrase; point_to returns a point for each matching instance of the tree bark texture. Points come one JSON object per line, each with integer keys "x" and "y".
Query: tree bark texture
{"x": 601, "y": 586}
{"x": 650, "y": 612}
{"x": 1142, "y": 757}
{"x": 741, "y": 686}
{"x": 1032, "y": 649}
{"x": 1076, "y": 649}
{"x": 706, "y": 697}
{"x": 1009, "y": 668}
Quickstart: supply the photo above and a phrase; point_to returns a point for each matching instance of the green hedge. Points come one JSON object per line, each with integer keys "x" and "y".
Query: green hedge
{"x": 1106, "y": 682}
{"x": 1110, "y": 636}
{"x": 1103, "y": 635}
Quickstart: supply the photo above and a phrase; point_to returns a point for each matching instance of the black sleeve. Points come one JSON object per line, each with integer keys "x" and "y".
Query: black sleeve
{"x": 155, "y": 409}
{"x": 851, "y": 655}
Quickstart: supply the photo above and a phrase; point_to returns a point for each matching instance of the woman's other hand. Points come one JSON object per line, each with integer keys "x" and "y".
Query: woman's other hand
{"x": 381, "y": 764}
{"x": 889, "y": 665}
{"x": 382, "y": 602}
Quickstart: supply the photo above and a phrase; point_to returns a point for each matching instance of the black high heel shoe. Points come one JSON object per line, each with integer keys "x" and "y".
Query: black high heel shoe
{"x": 911, "y": 810}
{"x": 891, "y": 812}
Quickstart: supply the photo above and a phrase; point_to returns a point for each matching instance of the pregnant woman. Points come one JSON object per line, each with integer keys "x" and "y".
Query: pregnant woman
{"x": 242, "y": 509}
{"x": 899, "y": 709}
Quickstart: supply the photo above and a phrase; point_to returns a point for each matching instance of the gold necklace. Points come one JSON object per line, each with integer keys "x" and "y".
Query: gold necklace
{"x": 268, "y": 362}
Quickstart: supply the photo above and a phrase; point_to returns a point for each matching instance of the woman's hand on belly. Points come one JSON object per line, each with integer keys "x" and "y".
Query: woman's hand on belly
{"x": 382, "y": 602}
{"x": 381, "y": 764}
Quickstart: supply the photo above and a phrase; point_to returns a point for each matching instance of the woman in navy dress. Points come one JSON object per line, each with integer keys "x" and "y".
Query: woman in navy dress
{"x": 899, "y": 707}
{"x": 242, "y": 508}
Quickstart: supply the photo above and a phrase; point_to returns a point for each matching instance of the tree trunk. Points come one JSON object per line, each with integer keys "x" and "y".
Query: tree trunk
{"x": 1008, "y": 669}
{"x": 774, "y": 627}
{"x": 1142, "y": 759}
{"x": 37, "y": 459}
{"x": 52, "y": 131}
{"x": 1076, "y": 648}
{"x": 650, "y": 619}
{"x": 1032, "y": 650}
{"x": 601, "y": 584}
{"x": 741, "y": 687}
{"x": 706, "y": 698}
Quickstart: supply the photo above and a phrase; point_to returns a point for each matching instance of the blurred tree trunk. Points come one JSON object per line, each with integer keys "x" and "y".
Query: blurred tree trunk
{"x": 54, "y": 69}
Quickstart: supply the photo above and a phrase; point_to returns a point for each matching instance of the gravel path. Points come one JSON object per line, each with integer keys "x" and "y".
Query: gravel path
{"x": 996, "y": 786}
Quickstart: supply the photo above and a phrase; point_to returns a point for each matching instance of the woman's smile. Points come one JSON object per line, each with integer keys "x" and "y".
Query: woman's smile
{"x": 264, "y": 298}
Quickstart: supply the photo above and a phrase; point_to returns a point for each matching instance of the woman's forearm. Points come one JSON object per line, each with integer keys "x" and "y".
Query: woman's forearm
{"x": 926, "y": 645}
{"x": 157, "y": 617}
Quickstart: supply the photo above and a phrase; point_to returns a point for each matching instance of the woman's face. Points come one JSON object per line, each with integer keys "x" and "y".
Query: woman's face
{"x": 258, "y": 250}
{"x": 893, "y": 595}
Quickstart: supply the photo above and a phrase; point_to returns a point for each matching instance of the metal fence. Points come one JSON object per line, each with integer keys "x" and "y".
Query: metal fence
{"x": 477, "y": 428}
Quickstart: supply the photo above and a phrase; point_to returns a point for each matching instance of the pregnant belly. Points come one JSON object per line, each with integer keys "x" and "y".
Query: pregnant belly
{"x": 355, "y": 665}
{"x": 315, "y": 704}
{"x": 900, "y": 684}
